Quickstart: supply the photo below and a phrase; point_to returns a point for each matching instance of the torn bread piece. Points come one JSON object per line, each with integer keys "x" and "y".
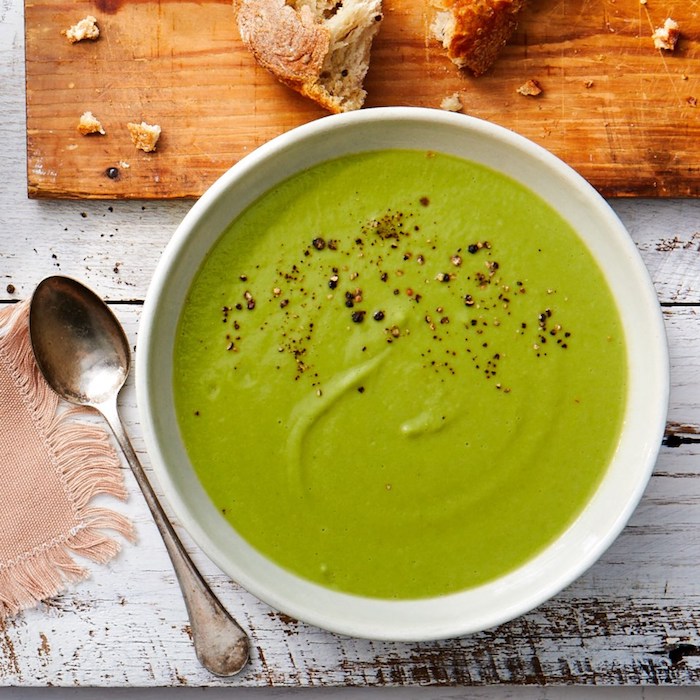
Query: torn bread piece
{"x": 89, "y": 124}
{"x": 475, "y": 31}
{"x": 320, "y": 48}
{"x": 85, "y": 29}
{"x": 666, "y": 37}
{"x": 145, "y": 136}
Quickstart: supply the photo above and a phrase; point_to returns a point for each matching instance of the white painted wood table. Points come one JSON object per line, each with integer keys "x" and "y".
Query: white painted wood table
{"x": 632, "y": 619}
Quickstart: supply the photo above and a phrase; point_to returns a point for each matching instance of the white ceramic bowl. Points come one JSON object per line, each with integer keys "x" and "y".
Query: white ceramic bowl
{"x": 622, "y": 486}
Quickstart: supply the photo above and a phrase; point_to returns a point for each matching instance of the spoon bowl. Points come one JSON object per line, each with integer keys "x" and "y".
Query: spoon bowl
{"x": 81, "y": 349}
{"x": 79, "y": 345}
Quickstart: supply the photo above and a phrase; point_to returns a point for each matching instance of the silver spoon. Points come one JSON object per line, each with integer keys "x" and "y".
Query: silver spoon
{"x": 83, "y": 353}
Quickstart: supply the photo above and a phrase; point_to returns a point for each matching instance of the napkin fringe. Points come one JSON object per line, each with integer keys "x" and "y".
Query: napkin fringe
{"x": 86, "y": 464}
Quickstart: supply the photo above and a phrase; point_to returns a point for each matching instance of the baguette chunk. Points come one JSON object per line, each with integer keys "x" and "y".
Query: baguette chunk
{"x": 320, "y": 48}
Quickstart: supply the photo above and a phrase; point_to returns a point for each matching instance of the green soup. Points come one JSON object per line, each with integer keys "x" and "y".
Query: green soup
{"x": 399, "y": 374}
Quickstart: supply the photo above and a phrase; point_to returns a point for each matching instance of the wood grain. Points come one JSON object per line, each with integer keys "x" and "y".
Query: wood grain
{"x": 619, "y": 111}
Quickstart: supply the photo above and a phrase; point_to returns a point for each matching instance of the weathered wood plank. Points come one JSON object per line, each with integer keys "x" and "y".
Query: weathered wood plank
{"x": 614, "y": 107}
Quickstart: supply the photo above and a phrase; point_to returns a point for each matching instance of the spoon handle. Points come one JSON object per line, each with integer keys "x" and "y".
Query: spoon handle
{"x": 219, "y": 642}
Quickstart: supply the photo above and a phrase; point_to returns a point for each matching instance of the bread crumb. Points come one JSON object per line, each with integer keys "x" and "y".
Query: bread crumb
{"x": 89, "y": 124}
{"x": 666, "y": 37}
{"x": 588, "y": 84}
{"x": 145, "y": 136}
{"x": 85, "y": 29}
{"x": 452, "y": 103}
{"x": 692, "y": 101}
{"x": 530, "y": 88}
{"x": 124, "y": 164}
{"x": 642, "y": 2}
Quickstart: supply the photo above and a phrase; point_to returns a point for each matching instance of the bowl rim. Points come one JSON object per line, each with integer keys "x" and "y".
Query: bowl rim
{"x": 401, "y": 620}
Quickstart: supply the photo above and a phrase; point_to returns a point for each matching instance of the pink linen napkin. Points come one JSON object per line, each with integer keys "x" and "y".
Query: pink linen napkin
{"x": 51, "y": 467}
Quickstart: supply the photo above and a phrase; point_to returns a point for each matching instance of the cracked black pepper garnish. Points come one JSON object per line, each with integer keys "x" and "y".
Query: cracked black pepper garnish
{"x": 476, "y": 247}
{"x": 250, "y": 302}
{"x": 388, "y": 243}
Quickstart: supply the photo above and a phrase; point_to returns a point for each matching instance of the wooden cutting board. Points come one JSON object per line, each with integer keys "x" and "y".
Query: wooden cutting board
{"x": 621, "y": 112}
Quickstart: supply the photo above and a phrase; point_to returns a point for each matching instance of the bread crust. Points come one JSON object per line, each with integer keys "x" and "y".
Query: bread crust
{"x": 290, "y": 44}
{"x": 478, "y": 30}
{"x": 319, "y": 48}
